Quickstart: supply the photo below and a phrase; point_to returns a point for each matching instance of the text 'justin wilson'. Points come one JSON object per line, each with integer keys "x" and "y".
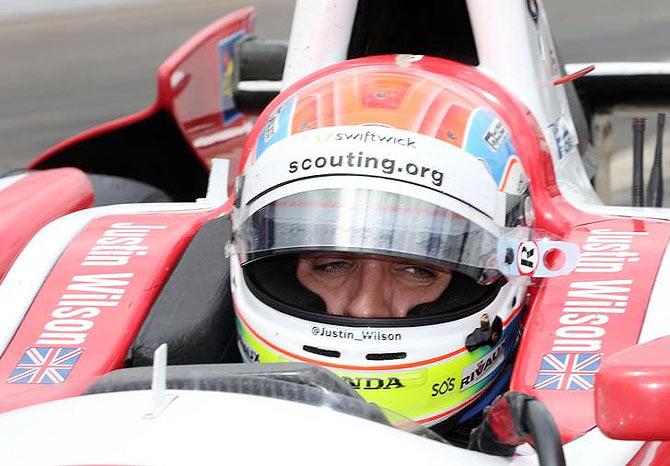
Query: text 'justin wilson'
{"x": 590, "y": 305}
{"x": 358, "y": 335}
{"x": 87, "y": 295}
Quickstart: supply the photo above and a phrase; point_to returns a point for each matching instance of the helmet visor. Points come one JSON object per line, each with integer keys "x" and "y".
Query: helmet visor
{"x": 369, "y": 221}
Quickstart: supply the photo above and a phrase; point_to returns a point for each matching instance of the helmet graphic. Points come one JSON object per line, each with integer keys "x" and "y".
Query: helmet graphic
{"x": 385, "y": 161}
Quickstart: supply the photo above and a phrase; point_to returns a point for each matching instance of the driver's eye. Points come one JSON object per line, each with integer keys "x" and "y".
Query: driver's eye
{"x": 419, "y": 273}
{"x": 332, "y": 266}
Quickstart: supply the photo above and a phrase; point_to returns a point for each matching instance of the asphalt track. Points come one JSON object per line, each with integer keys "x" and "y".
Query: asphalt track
{"x": 66, "y": 72}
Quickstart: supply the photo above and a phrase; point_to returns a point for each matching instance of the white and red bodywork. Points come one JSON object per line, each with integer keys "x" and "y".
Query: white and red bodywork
{"x": 519, "y": 66}
{"x": 45, "y": 313}
{"x": 46, "y": 196}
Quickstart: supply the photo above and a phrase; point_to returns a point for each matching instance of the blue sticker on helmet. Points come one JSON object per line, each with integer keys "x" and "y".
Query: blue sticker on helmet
{"x": 488, "y": 139}
{"x": 277, "y": 126}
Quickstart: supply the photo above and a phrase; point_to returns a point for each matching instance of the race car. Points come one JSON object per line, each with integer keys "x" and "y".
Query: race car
{"x": 91, "y": 289}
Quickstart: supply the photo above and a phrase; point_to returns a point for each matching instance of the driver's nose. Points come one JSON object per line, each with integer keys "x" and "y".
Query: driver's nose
{"x": 372, "y": 295}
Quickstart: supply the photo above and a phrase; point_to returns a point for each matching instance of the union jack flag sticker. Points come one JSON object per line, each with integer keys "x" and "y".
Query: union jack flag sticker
{"x": 567, "y": 371}
{"x": 45, "y": 365}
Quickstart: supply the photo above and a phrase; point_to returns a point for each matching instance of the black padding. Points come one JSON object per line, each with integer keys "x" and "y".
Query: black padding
{"x": 277, "y": 277}
{"x": 193, "y": 313}
{"x": 430, "y": 27}
{"x": 260, "y": 59}
{"x": 253, "y": 102}
{"x": 257, "y": 60}
{"x": 109, "y": 190}
{"x": 601, "y": 92}
{"x": 152, "y": 150}
{"x": 462, "y": 297}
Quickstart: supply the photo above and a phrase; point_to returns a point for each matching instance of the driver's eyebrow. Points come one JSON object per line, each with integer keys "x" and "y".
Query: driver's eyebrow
{"x": 328, "y": 256}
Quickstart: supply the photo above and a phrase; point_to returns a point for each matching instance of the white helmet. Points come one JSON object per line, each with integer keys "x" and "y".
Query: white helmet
{"x": 385, "y": 156}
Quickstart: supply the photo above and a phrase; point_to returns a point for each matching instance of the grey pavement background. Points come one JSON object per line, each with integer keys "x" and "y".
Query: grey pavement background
{"x": 66, "y": 67}
{"x": 22, "y": 8}
{"x": 611, "y": 30}
{"x": 66, "y": 72}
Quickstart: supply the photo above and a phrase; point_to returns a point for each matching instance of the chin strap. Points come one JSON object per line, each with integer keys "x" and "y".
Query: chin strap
{"x": 514, "y": 419}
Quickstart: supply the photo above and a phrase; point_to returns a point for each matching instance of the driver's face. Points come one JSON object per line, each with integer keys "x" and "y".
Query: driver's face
{"x": 355, "y": 285}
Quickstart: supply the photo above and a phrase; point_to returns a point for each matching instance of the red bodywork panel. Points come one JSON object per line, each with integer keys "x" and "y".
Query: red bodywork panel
{"x": 201, "y": 105}
{"x": 633, "y": 392}
{"x": 35, "y": 200}
{"x": 92, "y": 304}
{"x": 187, "y": 89}
{"x": 652, "y": 454}
{"x": 578, "y": 320}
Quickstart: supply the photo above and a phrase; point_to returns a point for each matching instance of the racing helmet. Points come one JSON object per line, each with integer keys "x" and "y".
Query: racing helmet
{"x": 384, "y": 157}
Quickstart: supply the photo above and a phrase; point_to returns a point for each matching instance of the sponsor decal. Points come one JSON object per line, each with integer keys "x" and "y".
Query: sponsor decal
{"x": 248, "y": 353}
{"x": 489, "y": 140}
{"x": 118, "y": 244}
{"x": 366, "y": 136}
{"x": 373, "y": 383}
{"x": 272, "y": 125}
{"x": 226, "y": 49}
{"x": 45, "y": 365}
{"x": 567, "y": 371}
{"x": 607, "y": 251}
{"x": 527, "y": 257}
{"x": 481, "y": 369}
{"x": 277, "y": 127}
{"x": 88, "y": 295}
{"x": 590, "y": 305}
{"x": 545, "y": 258}
{"x": 383, "y": 165}
{"x": 562, "y": 137}
{"x": 444, "y": 387}
{"x": 358, "y": 335}
{"x": 495, "y": 134}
